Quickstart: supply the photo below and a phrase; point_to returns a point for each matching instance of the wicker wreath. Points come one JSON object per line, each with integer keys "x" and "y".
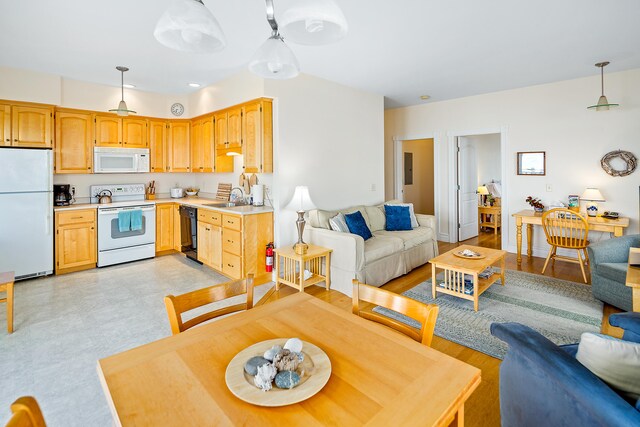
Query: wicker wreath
{"x": 628, "y": 158}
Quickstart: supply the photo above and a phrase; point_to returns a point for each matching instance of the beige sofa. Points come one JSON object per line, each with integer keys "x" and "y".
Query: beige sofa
{"x": 385, "y": 256}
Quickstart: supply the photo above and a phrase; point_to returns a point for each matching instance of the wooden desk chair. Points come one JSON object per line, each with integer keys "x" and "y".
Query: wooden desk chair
{"x": 426, "y": 314}
{"x": 569, "y": 230}
{"x": 6, "y": 285}
{"x": 177, "y": 305}
{"x": 26, "y": 413}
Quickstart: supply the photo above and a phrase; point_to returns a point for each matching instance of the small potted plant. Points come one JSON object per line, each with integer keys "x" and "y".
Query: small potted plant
{"x": 536, "y": 203}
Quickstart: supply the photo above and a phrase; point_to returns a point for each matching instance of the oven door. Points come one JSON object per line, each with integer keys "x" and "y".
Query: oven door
{"x": 110, "y": 236}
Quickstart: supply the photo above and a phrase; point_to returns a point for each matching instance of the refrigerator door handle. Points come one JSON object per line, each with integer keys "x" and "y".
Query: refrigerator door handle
{"x": 49, "y": 213}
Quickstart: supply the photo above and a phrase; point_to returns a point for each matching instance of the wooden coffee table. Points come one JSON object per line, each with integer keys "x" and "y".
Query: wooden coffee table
{"x": 454, "y": 268}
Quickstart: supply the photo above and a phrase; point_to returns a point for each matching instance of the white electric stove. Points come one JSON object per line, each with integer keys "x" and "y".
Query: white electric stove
{"x": 115, "y": 246}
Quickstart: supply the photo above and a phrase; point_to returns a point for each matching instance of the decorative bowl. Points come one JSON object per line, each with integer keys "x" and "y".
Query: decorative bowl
{"x": 191, "y": 193}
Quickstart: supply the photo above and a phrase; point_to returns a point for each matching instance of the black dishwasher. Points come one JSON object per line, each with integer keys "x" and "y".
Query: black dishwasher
{"x": 189, "y": 232}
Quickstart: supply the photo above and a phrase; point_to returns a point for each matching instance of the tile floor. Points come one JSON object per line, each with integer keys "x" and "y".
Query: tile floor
{"x": 64, "y": 324}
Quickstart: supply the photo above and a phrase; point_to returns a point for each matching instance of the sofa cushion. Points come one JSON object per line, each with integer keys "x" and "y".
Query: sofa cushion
{"x": 614, "y": 361}
{"x": 319, "y": 218}
{"x": 379, "y": 247}
{"x": 338, "y": 223}
{"x": 616, "y": 271}
{"x": 414, "y": 220}
{"x": 410, "y": 238}
{"x": 377, "y": 219}
{"x": 398, "y": 218}
{"x": 357, "y": 225}
{"x": 360, "y": 208}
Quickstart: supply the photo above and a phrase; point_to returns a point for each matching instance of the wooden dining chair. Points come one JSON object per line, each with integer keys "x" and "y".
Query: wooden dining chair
{"x": 568, "y": 230}
{"x": 6, "y": 285}
{"x": 177, "y": 305}
{"x": 425, "y": 314}
{"x": 26, "y": 413}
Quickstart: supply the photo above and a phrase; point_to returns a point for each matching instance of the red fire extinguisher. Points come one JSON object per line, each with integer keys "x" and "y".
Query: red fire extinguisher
{"x": 269, "y": 261}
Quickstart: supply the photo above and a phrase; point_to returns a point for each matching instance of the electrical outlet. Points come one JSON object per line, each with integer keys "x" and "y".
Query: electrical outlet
{"x": 73, "y": 190}
{"x": 373, "y": 187}
{"x": 549, "y": 188}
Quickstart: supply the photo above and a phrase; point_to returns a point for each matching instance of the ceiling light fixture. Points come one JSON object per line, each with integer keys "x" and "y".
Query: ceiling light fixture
{"x": 274, "y": 59}
{"x": 313, "y": 22}
{"x": 122, "y": 109}
{"x": 425, "y": 97}
{"x": 603, "y": 103}
{"x": 189, "y": 26}
{"x": 194, "y": 84}
{"x": 129, "y": 86}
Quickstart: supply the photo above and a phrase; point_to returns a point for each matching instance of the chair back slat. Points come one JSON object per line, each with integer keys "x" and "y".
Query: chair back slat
{"x": 26, "y": 413}
{"x": 178, "y": 305}
{"x": 425, "y": 314}
{"x": 565, "y": 228}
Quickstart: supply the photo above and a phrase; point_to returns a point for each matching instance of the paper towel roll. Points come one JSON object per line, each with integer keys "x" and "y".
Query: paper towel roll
{"x": 257, "y": 193}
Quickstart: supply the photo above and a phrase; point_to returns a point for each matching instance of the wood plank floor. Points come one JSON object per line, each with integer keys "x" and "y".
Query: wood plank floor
{"x": 483, "y": 407}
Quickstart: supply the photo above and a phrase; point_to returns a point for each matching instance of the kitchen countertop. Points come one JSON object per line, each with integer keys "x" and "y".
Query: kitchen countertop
{"x": 197, "y": 202}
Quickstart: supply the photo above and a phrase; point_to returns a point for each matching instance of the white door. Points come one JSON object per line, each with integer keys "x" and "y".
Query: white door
{"x": 467, "y": 187}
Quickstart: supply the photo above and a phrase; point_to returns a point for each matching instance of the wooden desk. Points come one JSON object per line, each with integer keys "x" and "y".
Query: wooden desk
{"x": 633, "y": 281}
{"x": 494, "y": 212}
{"x": 379, "y": 377}
{"x": 531, "y": 218}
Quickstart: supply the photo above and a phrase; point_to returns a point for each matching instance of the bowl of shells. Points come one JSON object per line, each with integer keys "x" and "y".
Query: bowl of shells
{"x": 278, "y": 372}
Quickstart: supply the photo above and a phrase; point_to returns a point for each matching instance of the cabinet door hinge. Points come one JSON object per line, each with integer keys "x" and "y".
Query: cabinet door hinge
{"x": 261, "y": 108}
{"x": 458, "y": 225}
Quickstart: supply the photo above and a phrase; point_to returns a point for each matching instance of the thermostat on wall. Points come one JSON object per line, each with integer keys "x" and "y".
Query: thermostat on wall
{"x": 177, "y": 109}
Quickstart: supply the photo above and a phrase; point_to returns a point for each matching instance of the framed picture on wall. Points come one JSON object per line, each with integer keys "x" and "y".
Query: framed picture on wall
{"x": 532, "y": 163}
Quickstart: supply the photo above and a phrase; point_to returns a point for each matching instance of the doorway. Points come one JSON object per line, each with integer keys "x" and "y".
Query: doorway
{"x": 418, "y": 175}
{"x": 479, "y": 188}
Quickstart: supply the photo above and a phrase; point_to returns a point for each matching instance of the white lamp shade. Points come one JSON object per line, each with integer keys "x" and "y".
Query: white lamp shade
{"x": 312, "y": 22}
{"x": 593, "y": 195}
{"x": 189, "y": 26}
{"x": 122, "y": 109}
{"x": 301, "y": 201}
{"x": 274, "y": 60}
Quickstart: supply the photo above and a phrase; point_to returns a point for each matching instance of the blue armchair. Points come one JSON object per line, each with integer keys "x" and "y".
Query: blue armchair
{"x": 542, "y": 384}
{"x": 608, "y": 260}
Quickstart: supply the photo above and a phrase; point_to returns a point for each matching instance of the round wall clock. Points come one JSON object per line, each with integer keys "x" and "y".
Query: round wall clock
{"x": 177, "y": 109}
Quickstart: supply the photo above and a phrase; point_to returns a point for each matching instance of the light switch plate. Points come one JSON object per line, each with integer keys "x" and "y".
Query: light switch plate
{"x": 549, "y": 188}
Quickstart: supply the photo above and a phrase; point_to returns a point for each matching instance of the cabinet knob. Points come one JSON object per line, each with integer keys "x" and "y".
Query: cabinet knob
{"x": 15, "y": 140}
{"x": 89, "y": 167}
{"x": 92, "y": 228}
{"x": 8, "y": 140}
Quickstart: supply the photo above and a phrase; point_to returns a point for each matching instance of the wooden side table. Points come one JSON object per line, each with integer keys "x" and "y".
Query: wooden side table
{"x": 489, "y": 217}
{"x": 6, "y": 285}
{"x": 633, "y": 281}
{"x": 293, "y": 266}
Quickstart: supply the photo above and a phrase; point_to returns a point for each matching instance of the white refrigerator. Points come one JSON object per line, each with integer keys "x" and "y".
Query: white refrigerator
{"x": 26, "y": 212}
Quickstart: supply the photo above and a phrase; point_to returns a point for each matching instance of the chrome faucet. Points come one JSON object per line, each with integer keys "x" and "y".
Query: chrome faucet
{"x": 234, "y": 198}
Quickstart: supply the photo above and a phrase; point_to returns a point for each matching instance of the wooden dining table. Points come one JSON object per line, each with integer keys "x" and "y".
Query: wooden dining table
{"x": 378, "y": 376}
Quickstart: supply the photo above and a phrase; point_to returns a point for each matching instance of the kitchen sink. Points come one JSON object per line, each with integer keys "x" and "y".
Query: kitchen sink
{"x": 225, "y": 204}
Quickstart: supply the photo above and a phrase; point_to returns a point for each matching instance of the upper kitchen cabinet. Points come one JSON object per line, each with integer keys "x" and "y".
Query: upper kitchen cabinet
{"x": 202, "y": 145}
{"x": 5, "y": 125}
{"x": 257, "y": 131}
{"x": 134, "y": 133}
{"x": 74, "y": 142}
{"x": 179, "y": 146}
{"x": 228, "y": 128}
{"x": 108, "y": 131}
{"x": 31, "y": 126}
{"x": 158, "y": 145}
{"x": 118, "y": 132}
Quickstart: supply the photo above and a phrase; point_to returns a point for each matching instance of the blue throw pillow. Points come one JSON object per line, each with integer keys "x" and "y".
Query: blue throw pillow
{"x": 357, "y": 225}
{"x": 398, "y": 218}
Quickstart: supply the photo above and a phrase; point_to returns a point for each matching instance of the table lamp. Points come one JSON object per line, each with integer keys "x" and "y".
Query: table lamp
{"x": 592, "y": 195}
{"x": 483, "y": 192}
{"x": 301, "y": 202}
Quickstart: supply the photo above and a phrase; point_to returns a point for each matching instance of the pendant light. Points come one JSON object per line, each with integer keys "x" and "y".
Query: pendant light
{"x": 274, "y": 59}
{"x": 189, "y": 26}
{"x": 122, "y": 109}
{"x": 603, "y": 103}
{"x": 313, "y": 22}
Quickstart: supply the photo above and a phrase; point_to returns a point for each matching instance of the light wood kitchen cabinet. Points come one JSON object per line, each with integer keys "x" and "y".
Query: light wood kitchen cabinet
{"x": 118, "y": 132}
{"x": 177, "y": 228}
{"x": 165, "y": 227}
{"x": 210, "y": 238}
{"x": 202, "y": 145}
{"x": 134, "y": 133}
{"x": 244, "y": 239}
{"x": 5, "y": 125}
{"x": 179, "y": 146}
{"x": 257, "y": 140}
{"x": 31, "y": 126}
{"x": 223, "y": 163}
{"x": 108, "y": 131}
{"x": 229, "y": 128}
{"x": 158, "y": 145}
{"x": 74, "y": 142}
{"x": 75, "y": 240}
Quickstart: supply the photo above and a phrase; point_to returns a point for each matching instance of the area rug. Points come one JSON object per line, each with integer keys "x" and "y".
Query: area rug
{"x": 558, "y": 309}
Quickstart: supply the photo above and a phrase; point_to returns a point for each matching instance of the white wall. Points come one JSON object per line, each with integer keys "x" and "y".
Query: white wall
{"x": 487, "y": 148}
{"x": 551, "y": 118}
{"x": 328, "y": 137}
{"x": 236, "y": 89}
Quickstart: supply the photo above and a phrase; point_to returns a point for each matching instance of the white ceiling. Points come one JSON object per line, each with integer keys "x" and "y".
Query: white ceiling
{"x": 400, "y": 49}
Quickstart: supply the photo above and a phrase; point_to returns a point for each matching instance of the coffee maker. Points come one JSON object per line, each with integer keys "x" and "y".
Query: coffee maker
{"x": 62, "y": 194}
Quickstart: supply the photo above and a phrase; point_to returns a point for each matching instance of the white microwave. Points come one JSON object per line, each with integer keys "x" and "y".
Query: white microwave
{"x": 120, "y": 160}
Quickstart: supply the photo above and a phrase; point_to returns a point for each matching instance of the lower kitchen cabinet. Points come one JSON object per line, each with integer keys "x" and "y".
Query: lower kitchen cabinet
{"x": 75, "y": 240}
{"x": 210, "y": 245}
{"x": 165, "y": 218}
